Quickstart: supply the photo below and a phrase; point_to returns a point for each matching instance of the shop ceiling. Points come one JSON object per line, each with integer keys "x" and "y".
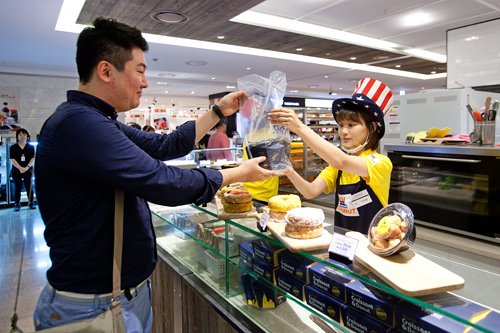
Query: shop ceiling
{"x": 184, "y": 71}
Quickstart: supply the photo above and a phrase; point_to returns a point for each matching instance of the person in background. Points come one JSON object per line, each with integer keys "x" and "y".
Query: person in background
{"x": 149, "y": 129}
{"x": 136, "y": 126}
{"x": 22, "y": 156}
{"x": 219, "y": 140}
{"x": 360, "y": 178}
{"x": 85, "y": 154}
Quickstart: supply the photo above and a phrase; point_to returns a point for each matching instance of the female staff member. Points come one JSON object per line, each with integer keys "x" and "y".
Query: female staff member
{"x": 360, "y": 178}
{"x": 22, "y": 156}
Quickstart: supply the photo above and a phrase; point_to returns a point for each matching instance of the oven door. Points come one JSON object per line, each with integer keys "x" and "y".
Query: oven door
{"x": 451, "y": 192}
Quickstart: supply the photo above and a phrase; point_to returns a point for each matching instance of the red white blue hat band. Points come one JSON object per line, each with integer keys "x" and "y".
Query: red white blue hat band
{"x": 374, "y": 95}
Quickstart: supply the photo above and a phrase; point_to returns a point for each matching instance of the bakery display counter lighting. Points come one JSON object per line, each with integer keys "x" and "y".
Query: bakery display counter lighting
{"x": 283, "y": 291}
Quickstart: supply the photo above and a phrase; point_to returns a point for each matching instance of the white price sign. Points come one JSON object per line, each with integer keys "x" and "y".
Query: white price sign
{"x": 343, "y": 246}
{"x": 263, "y": 220}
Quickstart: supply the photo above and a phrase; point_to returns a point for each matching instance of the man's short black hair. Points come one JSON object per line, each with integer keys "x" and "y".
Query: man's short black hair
{"x": 108, "y": 40}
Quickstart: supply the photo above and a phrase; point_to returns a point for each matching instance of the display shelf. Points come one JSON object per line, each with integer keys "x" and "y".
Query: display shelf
{"x": 293, "y": 315}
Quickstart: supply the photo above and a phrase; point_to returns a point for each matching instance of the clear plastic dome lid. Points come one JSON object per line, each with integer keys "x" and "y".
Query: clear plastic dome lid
{"x": 392, "y": 230}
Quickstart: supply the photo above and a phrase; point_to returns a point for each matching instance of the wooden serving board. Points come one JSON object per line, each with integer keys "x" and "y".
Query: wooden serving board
{"x": 407, "y": 272}
{"x": 230, "y": 216}
{"x": 299, "y": 245}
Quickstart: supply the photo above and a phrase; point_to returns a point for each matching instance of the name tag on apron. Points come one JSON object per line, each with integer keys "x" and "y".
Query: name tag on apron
{"x": 349, "y": 203}
{"x": 23, "y": 158}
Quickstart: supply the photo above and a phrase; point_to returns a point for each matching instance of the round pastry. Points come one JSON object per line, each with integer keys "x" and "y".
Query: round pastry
{"x": 233, "y": 186}
{"x": 389, "y": 232}
{"x": 304, "y": 223}
{"x": 280, "y": 204}
{"x": 237, "y": 196}
{"x": 237, "y": 201}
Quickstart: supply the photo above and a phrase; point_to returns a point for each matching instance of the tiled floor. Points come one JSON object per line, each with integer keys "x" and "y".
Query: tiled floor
{"x": 16, "y": 228}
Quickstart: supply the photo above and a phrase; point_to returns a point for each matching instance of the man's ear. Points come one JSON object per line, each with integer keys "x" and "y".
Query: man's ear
{"x": 104, "y": 71}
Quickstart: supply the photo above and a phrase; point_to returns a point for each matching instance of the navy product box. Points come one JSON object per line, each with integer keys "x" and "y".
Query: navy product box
{"x": 413, "y": 318}
{"x": 246, "y": 251}
{"x": 259, "y": 295}
{"x": 360, "y": 323}
{"x": 330, "y": 280}
{"x": 289, "y": 284}
{"x": 372, "y": 302}
{"x": 325, "y": 304}
{"x": 295, "y": 265}
{"x": 266, "y": 251}
{"x": 263, "y": 269}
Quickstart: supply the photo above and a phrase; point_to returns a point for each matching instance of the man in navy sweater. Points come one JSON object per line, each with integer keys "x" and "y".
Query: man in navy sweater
{"x": 84, "y": 154}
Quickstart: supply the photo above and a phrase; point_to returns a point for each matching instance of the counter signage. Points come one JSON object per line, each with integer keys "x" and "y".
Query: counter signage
{"x": 263, "y": 220}
{"x": 343, "y": 245}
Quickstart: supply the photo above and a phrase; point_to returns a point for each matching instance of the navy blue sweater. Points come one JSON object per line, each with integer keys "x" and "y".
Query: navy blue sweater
{"x": 83, "y": 154}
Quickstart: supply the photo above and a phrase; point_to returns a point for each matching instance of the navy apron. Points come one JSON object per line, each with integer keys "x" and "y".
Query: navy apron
{"x": 355, "y": 205}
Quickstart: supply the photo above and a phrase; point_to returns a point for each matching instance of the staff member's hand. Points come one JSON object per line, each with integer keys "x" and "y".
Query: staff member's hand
{"x": 285, "y": 117}
{"x": 249, "y": 171}
{"x": 232, "y": 102}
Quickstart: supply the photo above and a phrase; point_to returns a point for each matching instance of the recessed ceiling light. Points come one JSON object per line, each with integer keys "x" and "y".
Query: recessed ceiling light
{"x": 353, "y": 80}
{"x": 294, "y": 91}
{"x": 213, "y": 78}
{"x": 326, "y": 76}
{"x": 169, "y": 16}
{"x": 196, "y": 63}
{"x": 433, "y": 72}
{"x": 397, "y": 66}
{"x": 220, "y": 37}
{"x": 230, "y": 87}
{"x": 381, "y": 58}
{"x": 192, "y": 92}
{"x": 299, "y": 49}
{"x": 314, "y": 86}
{"x": 248, "y": 68}
{"x": 145, "y": 100}
{"x": 166, "y": 91}
{"x": 328, "y": 54}
{"x": 161, "y": 82}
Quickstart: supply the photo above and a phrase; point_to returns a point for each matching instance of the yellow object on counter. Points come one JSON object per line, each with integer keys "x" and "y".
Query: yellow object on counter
{"x": 437, "y": 133}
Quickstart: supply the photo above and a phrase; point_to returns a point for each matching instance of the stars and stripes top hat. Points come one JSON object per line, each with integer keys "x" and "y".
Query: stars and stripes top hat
{"x": 375, "y": 96}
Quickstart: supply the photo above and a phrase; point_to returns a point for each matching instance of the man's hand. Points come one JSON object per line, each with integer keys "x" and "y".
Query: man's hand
{"x": 232, "y": 102}
{"x": 249, "y": 171}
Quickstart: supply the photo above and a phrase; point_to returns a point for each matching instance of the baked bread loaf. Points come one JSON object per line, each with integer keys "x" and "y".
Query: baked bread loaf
{"x": 304, "y": 223}
{"x": 279, "y": 205}
{"x": 237, "y": 201}
{"x": 389, "y": 232}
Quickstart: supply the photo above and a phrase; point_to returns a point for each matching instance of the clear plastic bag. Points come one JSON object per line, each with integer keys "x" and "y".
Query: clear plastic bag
{"x": 260, "y": 136}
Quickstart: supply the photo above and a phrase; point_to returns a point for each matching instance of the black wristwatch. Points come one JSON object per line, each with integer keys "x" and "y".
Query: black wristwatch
{"x": 218, "y": 111}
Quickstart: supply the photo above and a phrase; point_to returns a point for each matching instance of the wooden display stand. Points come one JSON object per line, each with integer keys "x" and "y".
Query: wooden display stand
{"x": 407, "y": 272}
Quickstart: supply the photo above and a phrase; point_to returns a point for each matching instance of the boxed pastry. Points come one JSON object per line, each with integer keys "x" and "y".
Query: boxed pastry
{"x": 259, "y": 295}
{"x": 372, "y": 302}
{"x": 245, "y": 249}
{"x": 266, "y": 251}
{"x": 413, "y": 318}
{"x": 263, "y": 269}
{"x": 323, "y": 303}
{"x": 358, "y": 322}
{"x": 330, "y": 280}
{"x": 295, "y": 265}
{"x": 289, "y": 284}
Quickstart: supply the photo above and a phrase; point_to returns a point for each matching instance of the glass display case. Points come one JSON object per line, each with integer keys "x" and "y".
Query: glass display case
{"x": 277, "y": 290}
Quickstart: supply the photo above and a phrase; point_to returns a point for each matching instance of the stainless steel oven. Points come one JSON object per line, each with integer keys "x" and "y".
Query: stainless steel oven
{"x": 451, "y": 188}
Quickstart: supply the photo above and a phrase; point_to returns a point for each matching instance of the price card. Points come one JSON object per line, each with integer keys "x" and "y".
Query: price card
{"x": 263, "y": 220}
{"x": 343, "y": 245}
